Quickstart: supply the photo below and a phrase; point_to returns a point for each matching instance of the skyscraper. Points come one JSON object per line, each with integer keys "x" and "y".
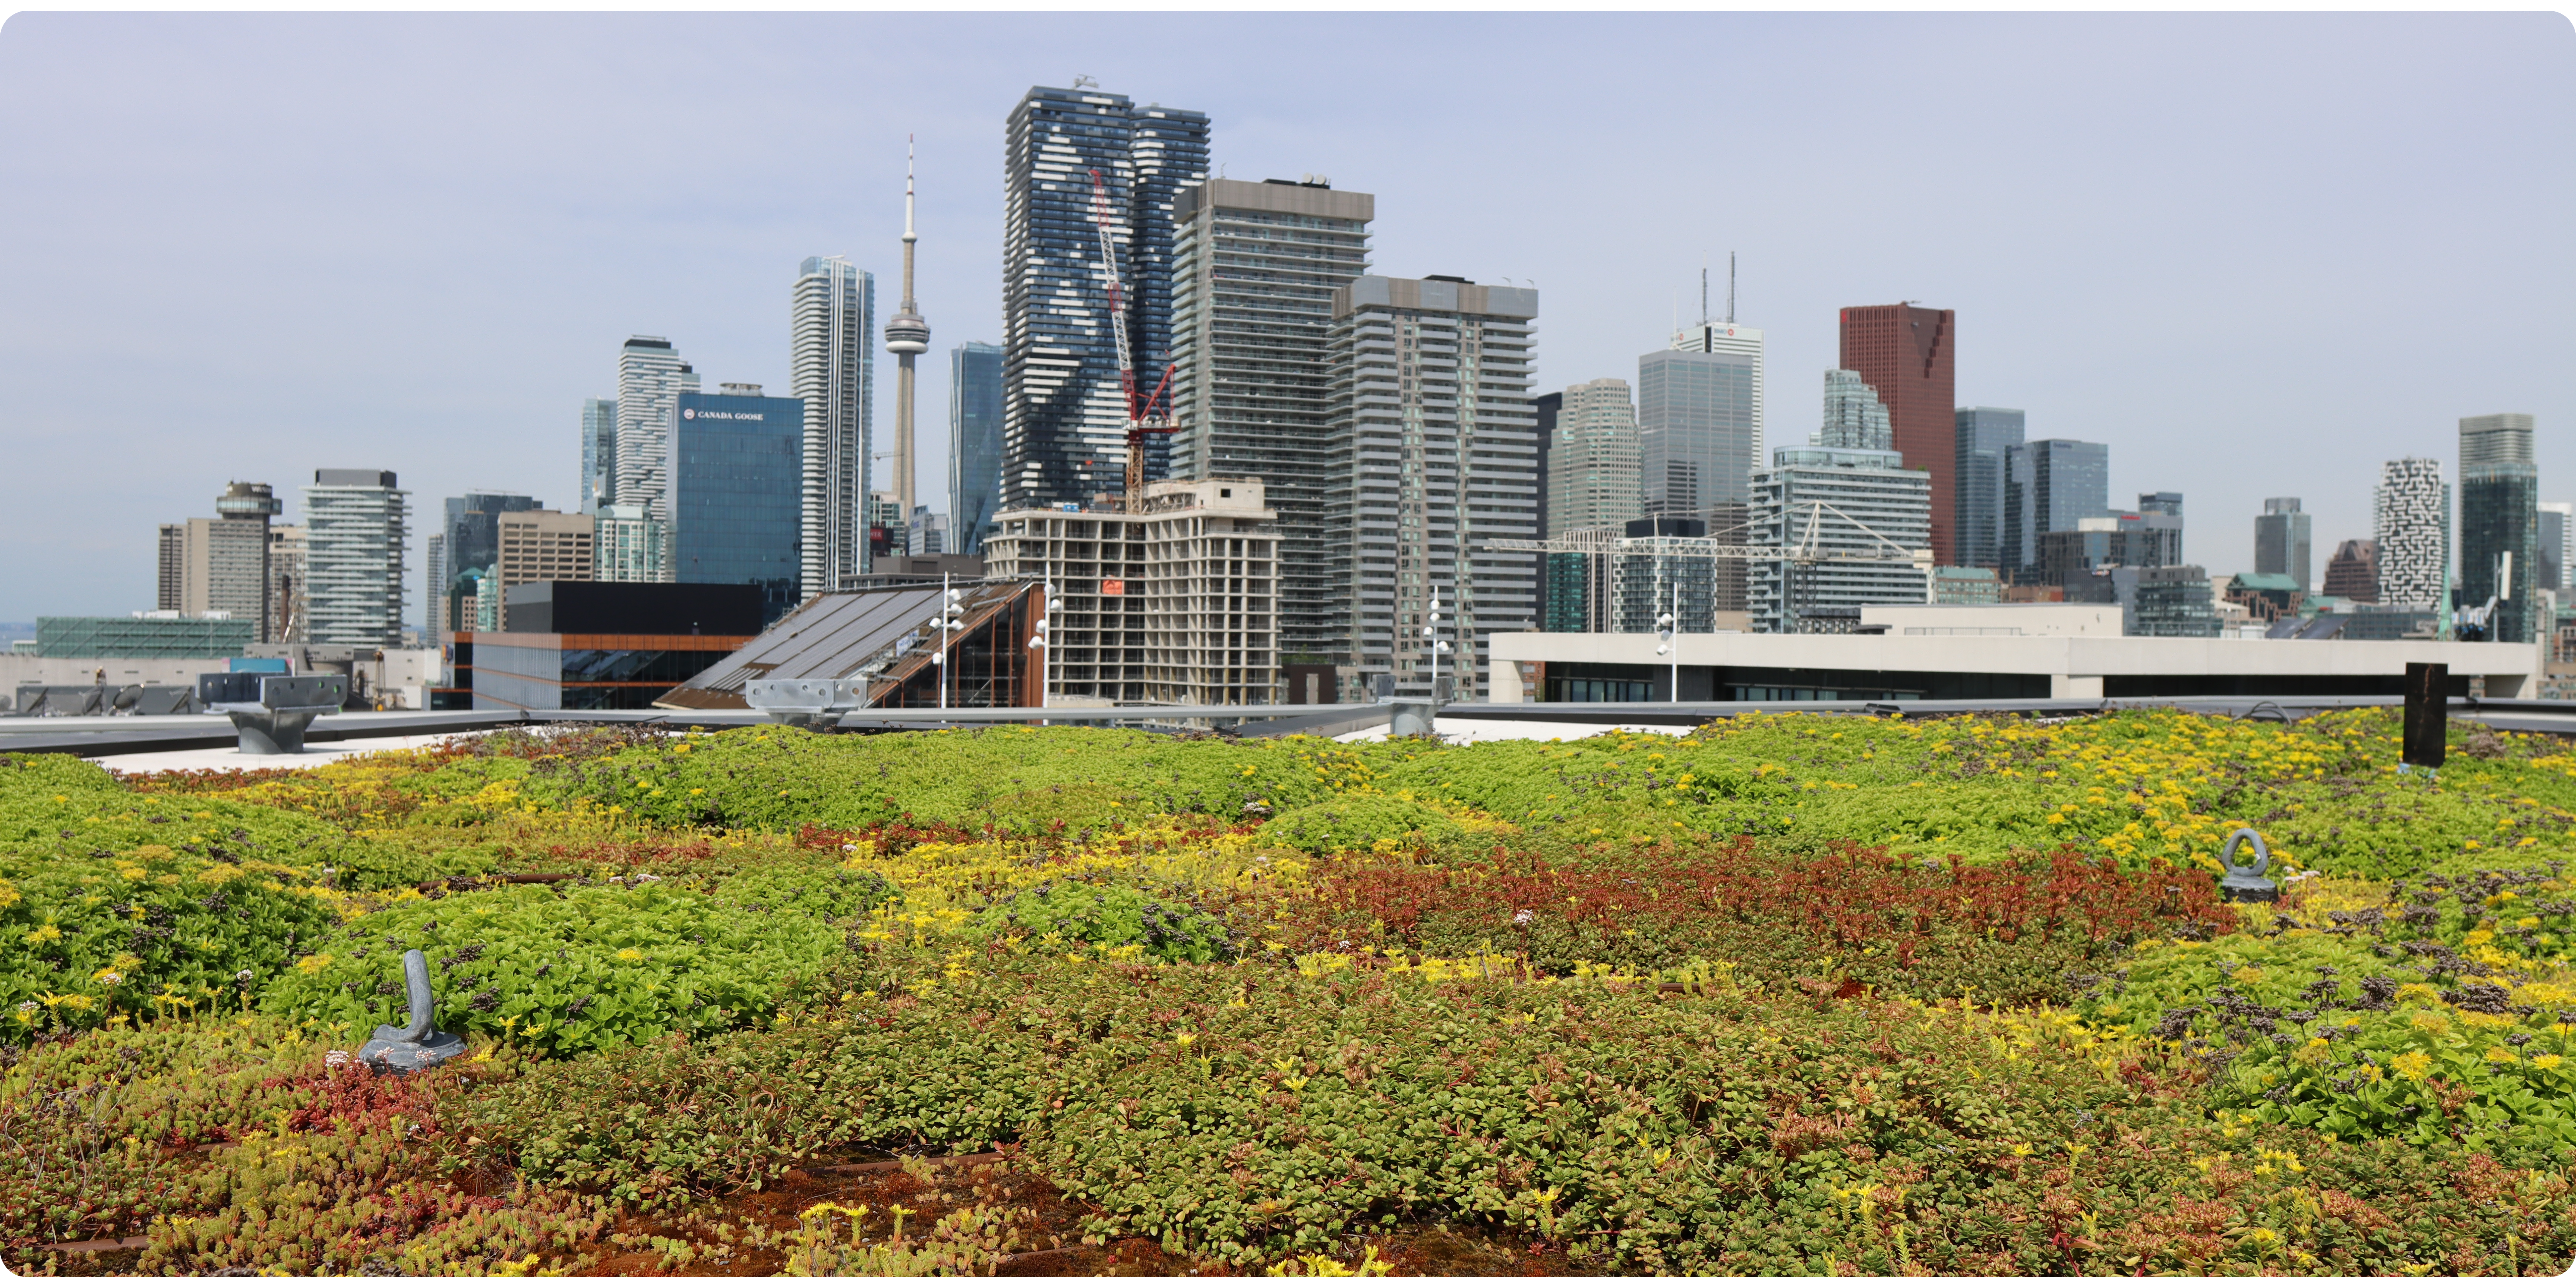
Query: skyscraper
{"x": 907, "y": 338}
{"x": 2411, "y": 528}
{"x": 2281, "y": 543}
{"x": 598, "y": 453}
{"x": 1251, "y": 318}
{"x": 1985, "y": 435}
{"x": 1167, "y": 153}
{"x": 220, "y": 565}
{"x": 2550, "y": 566}
{"x": 1909, "y": 355}
{"x": 1592, "y": 459}
{"x": 173, "y": 580}
{"x": 832, "y": 370}
{"x": 2159, "y": 514}
{"x": 2352, "y": 572}
{"x": 974, "y": 442}
{"x": 650, "y": 378}
{"x": 1434, "y": 451}
{"x": 1872, "y": 503}
{"x": 2499, "y": 521}
{"x": 1699, "y": 420}
{"x": 2049, "y": 486}
{"x": 356, "y": 522}
{"x": 1064, "y": 411}
{"x": 1854, "y": 417}
{"x": 472, "y": 527}
{"x": 737, "y": 493}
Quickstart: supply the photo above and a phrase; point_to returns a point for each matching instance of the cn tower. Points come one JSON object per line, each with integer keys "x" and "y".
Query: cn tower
{"x": 907, "y": 337}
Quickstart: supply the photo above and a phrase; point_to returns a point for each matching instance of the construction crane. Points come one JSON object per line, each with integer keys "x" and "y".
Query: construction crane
{"x": 1142, "y": 415}
{"x": 1802, "y": 557}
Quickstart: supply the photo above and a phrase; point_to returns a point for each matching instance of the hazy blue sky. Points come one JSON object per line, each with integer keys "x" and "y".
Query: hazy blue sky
{"x": 2257, "y": 255}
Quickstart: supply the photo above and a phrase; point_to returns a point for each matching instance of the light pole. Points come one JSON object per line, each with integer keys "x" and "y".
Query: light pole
{"x": 946, "y": 621}
{"x": 1437, "y": 645}
{"x": 1047, "y": 602}
{"x": 1664, "y": 628}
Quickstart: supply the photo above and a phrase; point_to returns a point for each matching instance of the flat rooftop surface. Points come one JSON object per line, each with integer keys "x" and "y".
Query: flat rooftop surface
{"x": 318, "y": 753}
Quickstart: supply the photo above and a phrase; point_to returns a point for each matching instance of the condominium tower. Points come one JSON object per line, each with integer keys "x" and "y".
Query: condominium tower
{"x": 2499, "y": 521}
{"x": 974, "y": 442}
{"x": 1986, "y": 435}
{"x": 356, "y": 523}
{"x": 1909, "y": 356}
{"x": 650, "y": 377}
{"x": 2557, "y": 543}
{"x": 1064, "y": 411}
{"x": 1251, "y": 316}
{"x": 832, "y": 370}
{"x": 2411, "y": 529}
{"x": 598, "y": 453}
{"x": 1434, "y": 451}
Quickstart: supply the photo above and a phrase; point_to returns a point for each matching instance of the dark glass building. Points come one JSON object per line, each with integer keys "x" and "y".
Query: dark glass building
{"x": 1908, "y": 356}
{"x": 737, "y": 494}
{"x": 1985, "y": 434}
{"x": 2499, "y": 522}
{"x": 473, "y": 532}
{"x": 2048, "y": 487}
{"x": 974, "y": 442}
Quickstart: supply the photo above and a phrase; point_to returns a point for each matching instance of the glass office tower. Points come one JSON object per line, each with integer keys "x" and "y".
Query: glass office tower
{"x": 2048, "y": 486}
{"x": 2500, "y": 521}
{"x": 1985, "y": 435}
{"x": 1699, "y": 438}
{"x": 737, "y": 494}
{"x": 974, "y": 442}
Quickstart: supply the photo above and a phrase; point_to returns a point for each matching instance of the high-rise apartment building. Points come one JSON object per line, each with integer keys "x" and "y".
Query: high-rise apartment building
{"x": 2500, "y": 521}
{"x": 598, "y": 453}
{"x": 832, "y": 370}
{"x": 737, "y": 493}
{"x": 1985, "y": 436}
{"x": 172, "y": 580}
{"x": 435, "y": 604}
{"x": 1909, "y": 356}
{"x": 888, "y": 528}
{"x": 219, "y": 566}
{"x": 2550, "y": 565}
{"x": 2352, "y": 572}
{"x": 1251, "y": 315}
{"x": 1861, "y": 499}
{"x": 627, "y": 544}
{"x": 1592, "y": 459}
{"x": 1699, "y": 420}
{"x": 1168, "y": 603}
{"x": 2281, "y": 543}
{"x": 650, "y": 379}
{"x": 1434, "y": 451}
{"x": 357, "y": 522}
{"x": 2410, "y": 524}
{"x": 1064, "y": 411}
{"x": 2050, "y": 485}
{"x": 974, "y": 442}
{"x": 540, "y": 545}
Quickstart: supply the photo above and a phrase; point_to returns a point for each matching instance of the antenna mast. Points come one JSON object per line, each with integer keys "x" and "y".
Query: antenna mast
{"x": 1703, "y": 293}
{"x": 1730, "y": 288}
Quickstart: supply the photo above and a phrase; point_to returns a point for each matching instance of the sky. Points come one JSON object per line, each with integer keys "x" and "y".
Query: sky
{"x": 2257, "y": 255}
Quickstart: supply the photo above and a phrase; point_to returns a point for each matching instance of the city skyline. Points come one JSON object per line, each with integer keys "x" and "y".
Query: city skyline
{"x": 532, "y": 280}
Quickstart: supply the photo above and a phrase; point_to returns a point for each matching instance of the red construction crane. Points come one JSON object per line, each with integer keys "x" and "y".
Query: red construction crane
{"x": 1143, "y": 416}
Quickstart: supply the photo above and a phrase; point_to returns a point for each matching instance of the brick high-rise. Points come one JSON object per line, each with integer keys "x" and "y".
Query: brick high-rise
{"x": 1907, "y": 356}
